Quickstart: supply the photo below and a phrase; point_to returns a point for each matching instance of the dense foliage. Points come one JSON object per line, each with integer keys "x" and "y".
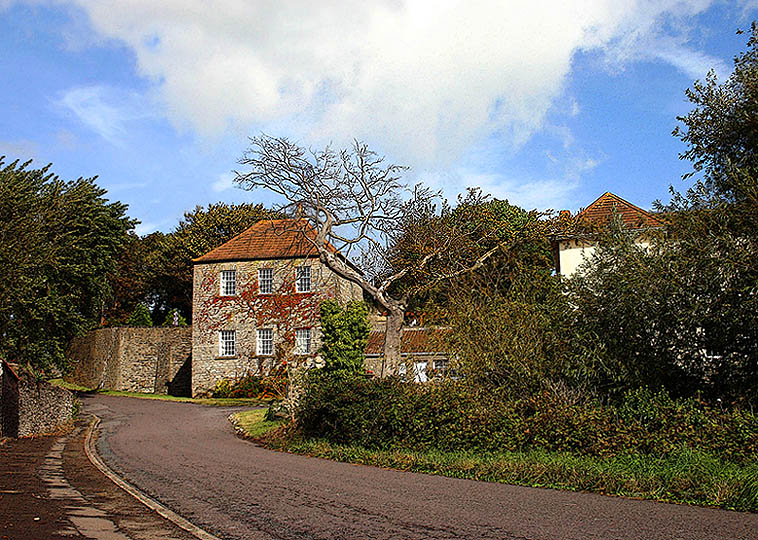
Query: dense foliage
{"x": 59, "y": 241}
{"x": 157, "y": 268}
{"x": 388, "y": 413}
{"x": 140, "y": 317}
{"x": 344, "y": 336}
{"x": 481, "y": 224}
{"x": 272, "y": 386}
{"x": 174, "y": 318}
{"x": 683, "y": 313}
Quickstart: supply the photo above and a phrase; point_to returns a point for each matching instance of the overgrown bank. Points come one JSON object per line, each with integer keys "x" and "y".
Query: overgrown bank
{"x": 648, "y": 446}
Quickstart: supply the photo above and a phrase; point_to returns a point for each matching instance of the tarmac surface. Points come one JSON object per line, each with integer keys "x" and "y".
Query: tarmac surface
{"x": 188, "y": 457}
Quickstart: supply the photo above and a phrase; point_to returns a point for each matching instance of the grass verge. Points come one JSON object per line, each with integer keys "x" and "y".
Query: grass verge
{"x": 688, "y": 476}
{"x": 253, "y": 424}
{"x": 216, "y": 402}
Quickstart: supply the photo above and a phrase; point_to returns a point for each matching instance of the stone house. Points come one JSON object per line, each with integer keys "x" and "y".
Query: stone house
{"x": 571, "y": 250}
{"x": 256, "y": 302}
{"x": 422, "y": 348}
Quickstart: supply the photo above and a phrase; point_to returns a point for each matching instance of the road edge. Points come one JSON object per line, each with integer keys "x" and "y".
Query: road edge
{"x": 152, "y": 504}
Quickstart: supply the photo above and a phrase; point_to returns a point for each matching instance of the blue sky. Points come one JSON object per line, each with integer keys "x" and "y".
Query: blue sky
{"x": 543, "y": 103}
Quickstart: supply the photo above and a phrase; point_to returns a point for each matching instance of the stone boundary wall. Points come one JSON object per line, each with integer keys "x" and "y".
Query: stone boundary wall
{"x": 32, "y": 407}
{"x": 151, "y": 360}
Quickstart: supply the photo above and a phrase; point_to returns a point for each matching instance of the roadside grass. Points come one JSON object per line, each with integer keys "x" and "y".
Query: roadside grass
{"x": 687, "y": 476}
{"x": 215, "y": 402}
{"x": 254, "y": 424}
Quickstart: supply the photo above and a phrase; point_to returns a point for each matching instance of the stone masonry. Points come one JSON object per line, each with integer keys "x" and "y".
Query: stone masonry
{"x": 152, "y": 360}
{"x": 30, "y": 406}
{"x": 284, "y": 310}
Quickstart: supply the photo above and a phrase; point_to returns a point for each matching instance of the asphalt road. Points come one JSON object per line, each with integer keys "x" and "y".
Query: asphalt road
{"x": 188, "y": 457}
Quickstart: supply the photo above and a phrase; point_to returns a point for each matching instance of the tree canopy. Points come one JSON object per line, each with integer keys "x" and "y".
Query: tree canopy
{"x": 59, "y": 242}
{"x": 357, "y": 202}
{"x": 157, "y": 268}
{"x": 683, "y": 313}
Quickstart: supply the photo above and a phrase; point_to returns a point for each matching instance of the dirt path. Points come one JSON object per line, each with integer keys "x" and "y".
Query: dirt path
{"x": 187, "y": 457}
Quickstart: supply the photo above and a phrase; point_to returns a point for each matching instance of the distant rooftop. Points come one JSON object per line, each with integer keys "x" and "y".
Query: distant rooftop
{"x": 600, "y": 212}
{"x": 268, "y": 239}
{"x": 415, "y": 341}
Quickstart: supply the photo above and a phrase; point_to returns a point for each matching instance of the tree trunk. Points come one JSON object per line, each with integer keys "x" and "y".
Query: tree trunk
{"x": 392, "y": 342}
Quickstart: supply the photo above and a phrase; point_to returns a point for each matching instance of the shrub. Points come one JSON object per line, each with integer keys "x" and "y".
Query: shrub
{"x": 174, "y": 313}
{"x": 344, "y": 332}
{"x": 253, "y": 386}
{"x": 451, "y": 415}
{"x": 140, "y": 317}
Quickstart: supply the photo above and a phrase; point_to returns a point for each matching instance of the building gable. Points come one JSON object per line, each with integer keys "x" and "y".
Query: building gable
{"x": 601, "y": 211}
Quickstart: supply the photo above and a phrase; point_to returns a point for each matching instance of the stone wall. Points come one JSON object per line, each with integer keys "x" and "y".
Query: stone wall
{"x": 151, "y": 360}
{"x": 283, "y": 311}
{"x": 32, "y": 407}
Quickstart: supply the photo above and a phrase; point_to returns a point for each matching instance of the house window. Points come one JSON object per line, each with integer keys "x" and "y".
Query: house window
{"x": 440, "y": 365}
{"x": 265, "y": 280}
{"x": 228, "y": 282}
{"x": 226, "y": 342}
{"x": 303, "y": 341}
{"x": 265, "y": 342}
{"x": 303, "y": 279}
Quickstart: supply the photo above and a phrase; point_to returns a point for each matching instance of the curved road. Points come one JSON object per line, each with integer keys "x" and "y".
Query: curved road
{"x": 188, "y": 457}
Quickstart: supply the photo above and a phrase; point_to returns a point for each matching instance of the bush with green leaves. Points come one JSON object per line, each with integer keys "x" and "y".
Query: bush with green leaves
{"x": 174, "y": 318}
{"x": 452, "y": 415}
{"x": 140, "y": 317}
{"x": 344, "y": 335}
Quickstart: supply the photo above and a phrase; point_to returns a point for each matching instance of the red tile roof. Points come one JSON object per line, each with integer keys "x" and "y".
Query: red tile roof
{"x": 268, "y": 239}
{"x": 414, "y": 341}
{"x": 600, "y": 212}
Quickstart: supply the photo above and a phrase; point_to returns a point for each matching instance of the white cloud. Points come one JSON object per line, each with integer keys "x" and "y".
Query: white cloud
{"x": 421, "y": 80}
{"x": 105, "y": 110}
{"x": 22, "y": 150}
{"x": 224, "y": 182}
{"x": 526, "y": 193}
{"x": 146, "y": 228}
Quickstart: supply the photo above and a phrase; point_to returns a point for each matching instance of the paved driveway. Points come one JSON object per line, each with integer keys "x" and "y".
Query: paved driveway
{"x": 188, "y": 457}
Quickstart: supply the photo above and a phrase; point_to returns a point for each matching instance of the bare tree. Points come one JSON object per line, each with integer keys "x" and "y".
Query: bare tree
{"x": 360, "y": 205}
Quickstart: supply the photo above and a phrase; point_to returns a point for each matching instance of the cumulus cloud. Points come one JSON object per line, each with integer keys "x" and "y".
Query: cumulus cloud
{"x": 421, "y": 80}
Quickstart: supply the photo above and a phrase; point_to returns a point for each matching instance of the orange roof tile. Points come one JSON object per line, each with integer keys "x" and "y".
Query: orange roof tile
{"x": 268, "y": 239}
{"x": 600, "y": 212}
{"x": 414, "y": 341}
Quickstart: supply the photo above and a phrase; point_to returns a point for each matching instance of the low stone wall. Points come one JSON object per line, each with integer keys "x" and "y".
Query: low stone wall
{"x": 32, "y": 407}
{"x": 43, "y": 407}
{"x": 152, "y": 360}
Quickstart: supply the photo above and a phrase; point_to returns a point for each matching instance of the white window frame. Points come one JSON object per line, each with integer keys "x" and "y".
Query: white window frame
{"x": 269, "y": 280}
{"x": 303, "y": 340}
{"x": 302, "y": 277}
{"x": 260, "y": 349}
{"x": 227, "y": 343}
{"x": 225, "y": 281}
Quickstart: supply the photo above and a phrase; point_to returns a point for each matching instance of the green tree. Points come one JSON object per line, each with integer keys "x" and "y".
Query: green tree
{"x": 485, "y": 223}
{"x": 140, "y": 317}
{"x": 59, "y": 242}
{"x": 344, "y": 331}
{"x": 683, "y": 314}
{"x": 200, "y": 231}
{"x": 156, "y": 269}
{"x": 174, "y": 318}
{"x": 721, "y": 131}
